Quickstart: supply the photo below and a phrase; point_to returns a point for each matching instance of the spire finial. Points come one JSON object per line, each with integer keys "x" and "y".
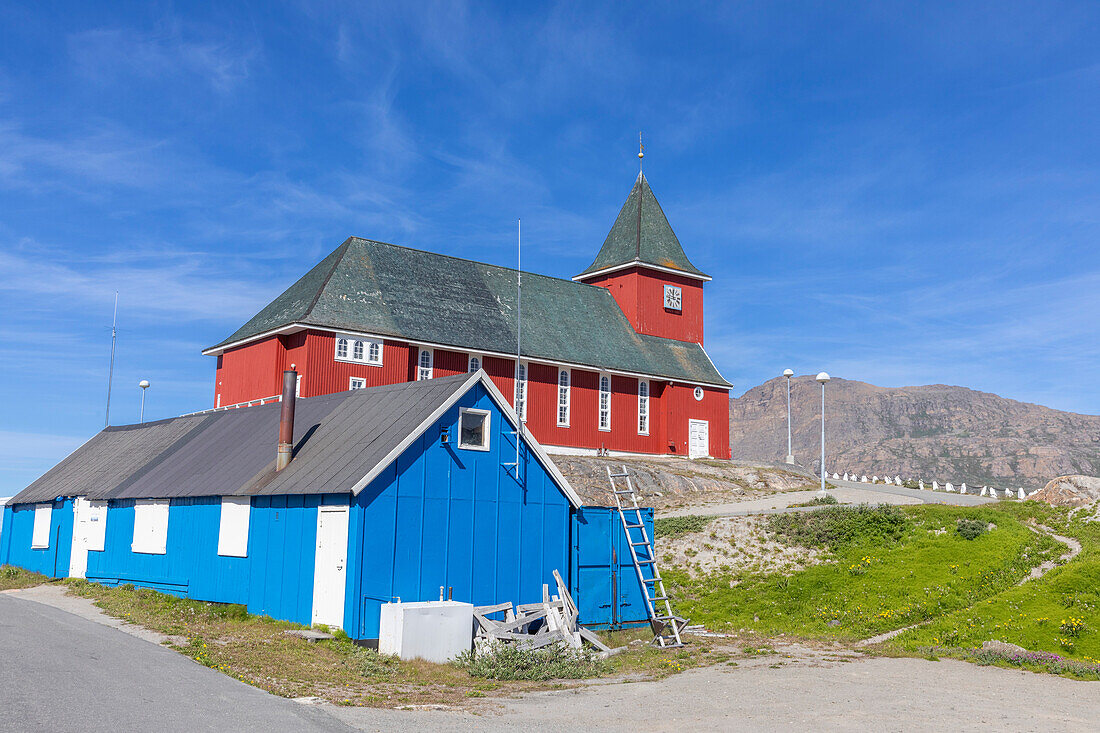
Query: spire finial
{"x": 641, "y": 151}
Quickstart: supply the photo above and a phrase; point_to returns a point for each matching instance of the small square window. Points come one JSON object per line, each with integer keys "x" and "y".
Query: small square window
{"x": 473, "y": 429}
{"x": 357, "y": 383}
{"x": 673, "y": 297}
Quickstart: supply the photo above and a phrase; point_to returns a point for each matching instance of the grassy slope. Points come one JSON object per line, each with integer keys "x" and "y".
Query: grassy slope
{"x": 893, "y": 584}
{"x": 1031, "y": 615}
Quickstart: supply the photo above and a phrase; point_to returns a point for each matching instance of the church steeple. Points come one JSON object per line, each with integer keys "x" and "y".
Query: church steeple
{"x": 641, "y": 236}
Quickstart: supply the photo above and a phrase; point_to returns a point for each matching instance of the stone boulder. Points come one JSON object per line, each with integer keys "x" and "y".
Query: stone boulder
{"x": 1069, "y": 491}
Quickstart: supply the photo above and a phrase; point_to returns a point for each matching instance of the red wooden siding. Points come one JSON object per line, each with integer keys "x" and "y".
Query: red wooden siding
{"x": 640, "y": 292}
{"x": 253, "y": 371}
{"x": 248, "y": 372}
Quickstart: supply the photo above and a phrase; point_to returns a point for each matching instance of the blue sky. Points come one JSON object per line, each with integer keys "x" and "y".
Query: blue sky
{"x": 896, "y": 193}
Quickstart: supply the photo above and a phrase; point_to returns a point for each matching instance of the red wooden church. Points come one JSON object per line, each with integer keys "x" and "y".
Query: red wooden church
{"x": 611, "y": 361}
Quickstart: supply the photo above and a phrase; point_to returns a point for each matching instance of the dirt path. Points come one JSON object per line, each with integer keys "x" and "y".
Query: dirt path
{"x": 1073, "y": 548}
{"x": 797, "y": 688}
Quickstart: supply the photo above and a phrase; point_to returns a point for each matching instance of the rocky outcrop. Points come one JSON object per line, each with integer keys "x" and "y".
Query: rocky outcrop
{"x": 670, "y": 482}
{"x": 931, "y": 432}
{"x": 1069, "y": 491}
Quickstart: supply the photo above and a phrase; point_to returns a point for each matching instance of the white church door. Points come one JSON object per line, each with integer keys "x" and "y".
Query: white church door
{"x": 698, "y": 439}
{"x": 330, "y": 570}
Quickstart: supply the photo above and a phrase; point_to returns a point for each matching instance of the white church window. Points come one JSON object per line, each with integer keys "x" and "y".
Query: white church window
{"x": 357, "y": 383}
{"x": 150, "y": 526}
{"x": 605, "y": 402}
{"x": 643, "y": 407}
{"x": 233, "y": 529}
{"x": 424, "y": 371}
{"x": 563, "y": 398}
{"x": 474, "y": 364}
{"x": 521, "y": 391}
{"x": 672, "y": 297}
{"x": 43, "y": 519}
{"x": 698, "y": 394}
{"x": 359, "y": 350}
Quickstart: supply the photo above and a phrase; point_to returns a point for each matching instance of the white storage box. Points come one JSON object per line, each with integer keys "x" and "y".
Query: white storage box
{"x": 437, "y": 631}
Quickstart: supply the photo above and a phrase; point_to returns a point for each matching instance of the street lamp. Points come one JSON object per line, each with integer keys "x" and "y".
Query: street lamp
{"x": 822, "y": 377}
{"x": 144, "y": 384}
{"x": 790, "y": 454}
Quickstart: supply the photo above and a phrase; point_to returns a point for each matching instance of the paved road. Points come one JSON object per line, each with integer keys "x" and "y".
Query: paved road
{"x": 60, "y": 672}
{"x": 64, "y": 672}
{"x": 847, "y": 492}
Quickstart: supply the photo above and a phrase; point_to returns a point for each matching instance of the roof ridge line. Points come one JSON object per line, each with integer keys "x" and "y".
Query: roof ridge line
{"x": 472, "y": 261}
{"x": 324, "y": 283}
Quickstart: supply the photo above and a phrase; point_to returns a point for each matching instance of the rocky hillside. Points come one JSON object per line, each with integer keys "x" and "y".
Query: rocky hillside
{"x": 932, "y": 432}
{"x": 664, "y": 483}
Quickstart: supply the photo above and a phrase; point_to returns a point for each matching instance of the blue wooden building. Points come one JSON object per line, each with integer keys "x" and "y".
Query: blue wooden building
{"x": 390, "y": 493}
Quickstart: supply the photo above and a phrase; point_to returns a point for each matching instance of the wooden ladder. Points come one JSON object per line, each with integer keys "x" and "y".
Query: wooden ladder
{"x": 666, "y": 626}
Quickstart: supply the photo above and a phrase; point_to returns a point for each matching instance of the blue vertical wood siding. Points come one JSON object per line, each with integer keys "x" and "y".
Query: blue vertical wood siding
{"x": 456, "y": 518}
{"x": 15, "y": 543}
{"x": 605, "y": 585}
{"x": 190, "y": 566}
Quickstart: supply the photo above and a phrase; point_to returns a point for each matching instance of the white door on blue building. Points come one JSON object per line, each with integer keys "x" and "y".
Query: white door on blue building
{"x": 330, "y": 571}
{"x": 78, "y": 554}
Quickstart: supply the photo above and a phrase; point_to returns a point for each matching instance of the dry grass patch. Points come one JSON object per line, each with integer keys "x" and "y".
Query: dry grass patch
{"x": 256, "y": 650}
{"x": 733, "y": 544}
{"x": 12, "y": 578}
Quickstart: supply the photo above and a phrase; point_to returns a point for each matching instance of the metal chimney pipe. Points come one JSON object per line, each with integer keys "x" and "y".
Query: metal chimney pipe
{"x": 286, "y": 420}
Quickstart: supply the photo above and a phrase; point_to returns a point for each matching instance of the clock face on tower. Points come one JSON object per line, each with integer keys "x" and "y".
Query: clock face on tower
{"x": 672, "y": 297}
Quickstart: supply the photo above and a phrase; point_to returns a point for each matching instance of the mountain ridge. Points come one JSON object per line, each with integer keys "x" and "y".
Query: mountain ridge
{"x": 935, "y": 432}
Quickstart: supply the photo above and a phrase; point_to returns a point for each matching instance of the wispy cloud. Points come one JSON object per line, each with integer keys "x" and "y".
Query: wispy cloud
{"x": 117, "y": 55}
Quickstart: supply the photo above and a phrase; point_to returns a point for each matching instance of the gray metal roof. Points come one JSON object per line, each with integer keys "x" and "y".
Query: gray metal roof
{"x": 388, "y": 290}
{"x": 339, "y": 438}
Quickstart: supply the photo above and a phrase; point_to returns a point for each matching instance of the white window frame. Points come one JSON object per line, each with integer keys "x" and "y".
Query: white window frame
{"x": 359, "y": 350}
{"x": 643, "y": 407}
{"x": 424, "y": 372}
{"x": 604, "y": 411}
{"x": 520, "y": 391}
{"x": 236, "y": 515}
{"x": 564, "y": 397}
{"x": 470, "y": 359}
{"x": 362, "y": 383}
{"x": 674, "y": 298}
{"x": 487, "y": 431}
{"x": 698, "y": 393}
{"x": 42, "y": 532}
{"x": 151, "y": 526}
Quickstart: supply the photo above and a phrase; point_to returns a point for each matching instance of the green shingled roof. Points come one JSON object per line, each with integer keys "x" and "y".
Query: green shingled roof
{"x": 641, "y": 233}
{"x": 388, "y": 290}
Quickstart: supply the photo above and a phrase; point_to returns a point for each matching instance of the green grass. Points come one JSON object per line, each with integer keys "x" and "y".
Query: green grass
{"x": 1032, "y": 615}
{"x": 12, "y": 578}
{"x": 672, "y": 527}
{"x": 899, "y": 573}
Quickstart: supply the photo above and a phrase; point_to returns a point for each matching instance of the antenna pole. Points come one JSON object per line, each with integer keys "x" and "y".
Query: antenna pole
{"x": 519, "y": 332}
{"x": 111, "y": 371}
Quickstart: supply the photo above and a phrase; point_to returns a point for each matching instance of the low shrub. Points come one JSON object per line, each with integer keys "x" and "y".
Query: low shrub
{"x": 673, "y": 527}
{"x": 827, "y": 500}
{"x": 840, "y": 526}
{"x": 970, "y": 529}
{"x": 507, "y": 662}
{"x": 370, "y": 663}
